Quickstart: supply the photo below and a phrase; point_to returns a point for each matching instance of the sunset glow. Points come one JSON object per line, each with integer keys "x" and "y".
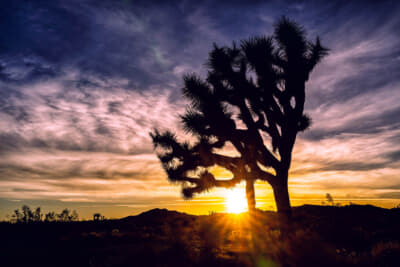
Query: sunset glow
{"x": 77, "y": 102}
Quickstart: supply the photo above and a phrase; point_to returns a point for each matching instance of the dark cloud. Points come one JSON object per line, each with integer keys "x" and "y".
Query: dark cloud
{"x": 340, "y": 166}
{"x": 351, "y": 166}
{"x": 372, "y": 188}
{"x": 129, "y": 40}
{"x": 63, "y": 169}
{"x": 11, "y": 142}
{"x": 25, "y": 190}
{"x": 393, "y": 156}
{"x": 114, "y": 106}
{"x": 393, "y": 195}
{"x": 373, "y": 125}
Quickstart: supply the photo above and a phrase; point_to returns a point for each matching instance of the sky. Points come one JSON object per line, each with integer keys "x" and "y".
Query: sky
{"x": 82, "y": 83}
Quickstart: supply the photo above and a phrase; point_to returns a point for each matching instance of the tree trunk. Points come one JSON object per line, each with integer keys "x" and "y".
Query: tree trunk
{"x": 250, "y": 195}
{"x": 281, "y": 194}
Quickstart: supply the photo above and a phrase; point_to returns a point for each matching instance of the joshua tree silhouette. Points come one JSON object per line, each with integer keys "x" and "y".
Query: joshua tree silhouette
{"x": 253, "y": 93}
{"x": 98, "y": 217}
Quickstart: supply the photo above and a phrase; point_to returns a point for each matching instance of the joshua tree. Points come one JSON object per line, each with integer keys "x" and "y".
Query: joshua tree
{"x": 67, "y": 216}
{"x": 50, "y": 217}
{"x": 37, "y": 215}
{"x": 96, "y": 217}
{"x": 28, "y": 214}
{"x": 329, "y": 199}
{"x": 17, "y": 216}
{"x": 253, "y": 96}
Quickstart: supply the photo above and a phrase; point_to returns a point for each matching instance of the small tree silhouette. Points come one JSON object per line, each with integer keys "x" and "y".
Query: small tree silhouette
{"x": 97, "y": 217}
{"x": 329, "y": 199}
{"x": 67, "y": 216}
{"x": 26, "y": 215}
{"x": 252, "y": 93}
{"x": 17, "y": 216}
{"x": 37, "y": 215}
{"x": 50, "y": 217}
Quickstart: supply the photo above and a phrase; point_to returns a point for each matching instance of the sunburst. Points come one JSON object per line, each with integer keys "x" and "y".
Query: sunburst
{"x": 235, "y": 201}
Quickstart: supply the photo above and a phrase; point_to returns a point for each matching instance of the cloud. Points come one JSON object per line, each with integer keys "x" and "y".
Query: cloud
{"x": 77, "y": 175}
{"x": 393, "y": 195}
{"x": 79, "y": 118}
{"x": 83, "y": 82}
{"x": 83, "y": 140}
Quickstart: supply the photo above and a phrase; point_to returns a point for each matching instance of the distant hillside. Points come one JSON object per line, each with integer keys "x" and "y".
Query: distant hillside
{"x": 155, "y": 215}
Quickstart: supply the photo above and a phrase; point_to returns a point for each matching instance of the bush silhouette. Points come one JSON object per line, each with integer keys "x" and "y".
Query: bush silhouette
{"x": 26, "y": 215}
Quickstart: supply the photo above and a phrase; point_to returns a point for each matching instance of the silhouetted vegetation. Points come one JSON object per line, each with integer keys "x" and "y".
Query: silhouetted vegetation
{"x": 26, "y": 215}
{"x": 322, "y": 236}
{"x": 329, "y": 199}
{"x": 253, "y": 93}
{"x": 98, "y": 217}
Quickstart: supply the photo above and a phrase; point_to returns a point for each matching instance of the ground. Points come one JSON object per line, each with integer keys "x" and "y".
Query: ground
{"x": 316, "y": 236}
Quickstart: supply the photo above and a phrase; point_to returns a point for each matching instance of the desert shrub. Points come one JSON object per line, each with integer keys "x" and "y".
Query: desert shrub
{"x": 386, "y": 253}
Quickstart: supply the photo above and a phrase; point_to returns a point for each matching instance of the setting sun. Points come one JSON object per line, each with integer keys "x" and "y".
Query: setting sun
{"x": 235, "y": 201}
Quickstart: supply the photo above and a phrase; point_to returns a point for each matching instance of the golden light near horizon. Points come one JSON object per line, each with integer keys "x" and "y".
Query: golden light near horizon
{"x": 235, "y": 201}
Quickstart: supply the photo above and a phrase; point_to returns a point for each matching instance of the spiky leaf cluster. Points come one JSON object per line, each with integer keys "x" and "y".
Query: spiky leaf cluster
{"x": 264, "y": 80}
